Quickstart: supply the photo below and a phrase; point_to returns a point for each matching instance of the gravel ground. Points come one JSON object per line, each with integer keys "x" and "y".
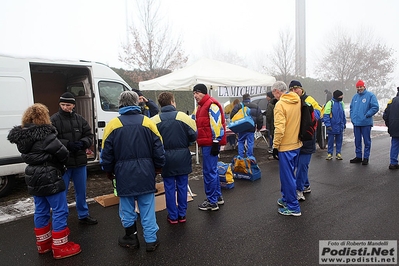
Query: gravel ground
{"x": 98, "y": 184}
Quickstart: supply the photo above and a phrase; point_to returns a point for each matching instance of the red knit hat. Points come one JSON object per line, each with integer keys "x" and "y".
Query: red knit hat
{"x": 360, "y": 83}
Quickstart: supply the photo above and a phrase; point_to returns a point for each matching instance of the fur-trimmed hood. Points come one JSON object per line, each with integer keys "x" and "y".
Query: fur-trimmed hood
{"x": 26, "y": 136}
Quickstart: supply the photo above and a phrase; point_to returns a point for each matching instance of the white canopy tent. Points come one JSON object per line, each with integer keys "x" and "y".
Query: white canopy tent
{"x": 212, "y": 73}
{"x": 209, "y": 72}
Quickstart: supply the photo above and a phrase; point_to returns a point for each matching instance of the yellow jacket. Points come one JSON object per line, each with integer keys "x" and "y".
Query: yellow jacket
{"x": 287, "y": 120}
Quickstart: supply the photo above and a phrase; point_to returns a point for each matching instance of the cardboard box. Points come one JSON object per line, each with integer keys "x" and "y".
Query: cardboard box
{"x": 160, "y": 203}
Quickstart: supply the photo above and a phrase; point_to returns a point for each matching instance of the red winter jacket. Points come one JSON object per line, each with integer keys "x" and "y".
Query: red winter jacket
{"x": 204, "y": 137}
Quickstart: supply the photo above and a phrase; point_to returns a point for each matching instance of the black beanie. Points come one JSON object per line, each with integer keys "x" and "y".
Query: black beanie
{"x": 201, "y": 88}
{"x": 337, "y": 94}
{"x": 67, "y": 97}
{"x": 139, "y": 93}
{"x": 295, "y": 83}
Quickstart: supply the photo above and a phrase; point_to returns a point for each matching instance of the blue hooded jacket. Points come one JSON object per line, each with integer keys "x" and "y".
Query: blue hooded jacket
{"x": 363, "y": 106}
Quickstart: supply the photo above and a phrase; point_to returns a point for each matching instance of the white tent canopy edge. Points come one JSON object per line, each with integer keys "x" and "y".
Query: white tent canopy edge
{"x": 209, "y": 72}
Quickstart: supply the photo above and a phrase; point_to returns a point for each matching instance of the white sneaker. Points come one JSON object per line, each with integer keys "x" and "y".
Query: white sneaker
{"x": 299, "y": 195}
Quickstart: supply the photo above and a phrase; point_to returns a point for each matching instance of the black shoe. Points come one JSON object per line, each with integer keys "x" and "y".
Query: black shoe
{"x": 393, "y": 166}
{"x": 356, "y": 160}
{"x": 220, "y": 200}
{"x": 365, "y": 162}
{"x": 88, "y": 220}
{"x": 150, "y": 247}
{"x": 129, "y": 241}
{"x": 182, "y": 219}
{"x": 206, "y": 205}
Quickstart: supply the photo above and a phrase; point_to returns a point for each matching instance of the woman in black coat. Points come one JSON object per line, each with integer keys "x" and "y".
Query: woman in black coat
{"x": 45, "y": 157}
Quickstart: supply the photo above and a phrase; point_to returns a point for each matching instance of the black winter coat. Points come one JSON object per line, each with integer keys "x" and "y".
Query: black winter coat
{"x": 73, "y": 127}
{"x": 391, "y": 117}
{"x": 45, "y": 156}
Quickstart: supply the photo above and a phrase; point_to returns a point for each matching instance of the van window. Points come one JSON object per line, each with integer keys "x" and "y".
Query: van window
{"x": 109, "y": 93}
{"x": 76, "y": 89}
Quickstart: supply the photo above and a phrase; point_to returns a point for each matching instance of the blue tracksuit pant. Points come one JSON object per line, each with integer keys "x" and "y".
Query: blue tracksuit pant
{"x": 173, "y": 184}
{"x": 393, "y": 155}
{"x": 337, "y": 138}
{"x": 78, "y": 176}
{"x": 362, "y": 132}
{"x": 146, "y": 204}
{"x": 288, "y": 161}
{"x": 248, "y": 137}
{"x": 302, "y": 178}
{"x": 211, "y": 176}
{"x": 58, "y": 204}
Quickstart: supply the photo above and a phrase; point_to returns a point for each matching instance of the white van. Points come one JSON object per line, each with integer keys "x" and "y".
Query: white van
{"x": 24, "y": 81}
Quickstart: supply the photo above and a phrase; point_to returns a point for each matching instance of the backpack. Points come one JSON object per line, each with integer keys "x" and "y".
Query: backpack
{"x": 324, "y": 106}
{"x": 308, "y": 122}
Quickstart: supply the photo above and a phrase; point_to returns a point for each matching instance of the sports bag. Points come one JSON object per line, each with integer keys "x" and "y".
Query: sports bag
{"x": 245, "y": 168}
{"x": 242, "y": 121}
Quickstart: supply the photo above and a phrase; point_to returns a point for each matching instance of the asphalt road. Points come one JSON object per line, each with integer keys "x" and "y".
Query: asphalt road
{"x": 347, "y": 202}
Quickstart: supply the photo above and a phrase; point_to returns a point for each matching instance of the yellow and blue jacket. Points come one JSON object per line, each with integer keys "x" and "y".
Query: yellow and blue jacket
{"x": 131, "y": 149}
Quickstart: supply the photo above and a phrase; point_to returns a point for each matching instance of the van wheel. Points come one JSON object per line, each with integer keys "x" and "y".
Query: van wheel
{"x": 6, "y": 184}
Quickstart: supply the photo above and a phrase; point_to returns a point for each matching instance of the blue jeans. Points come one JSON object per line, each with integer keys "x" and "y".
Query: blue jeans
{"x": 362, "y": 132}
{"x": 79, "y": 179}
{"x": 146, "y": 204}
{"x": 302, "y": 178}
{"x": 288, "y": 161}
{"x": 59, "y": 206}
{"x": 172, "y": 185}
{"x": 211, "y": 176}
{"x": 248, "y": 137}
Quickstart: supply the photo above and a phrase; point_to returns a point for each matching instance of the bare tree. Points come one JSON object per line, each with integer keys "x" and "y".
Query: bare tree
{"x": 152, "y": 47}
{"x": 348, "y": 59}
{"x": 283, "y": 57}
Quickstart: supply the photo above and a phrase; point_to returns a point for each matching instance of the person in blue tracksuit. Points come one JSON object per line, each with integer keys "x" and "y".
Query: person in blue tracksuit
{"x": 363, "y": 107}
{"x": 248, "y": 136}
{"x": 178, "y": 131}
{"x": 133, "y": 153}
{"x": 335, "y": 122}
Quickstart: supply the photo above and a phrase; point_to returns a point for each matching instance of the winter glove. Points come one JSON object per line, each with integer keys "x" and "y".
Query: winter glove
{"x": 275, "y": 153}
{"x": 329, "y": 128}
{"x": 72, "y": 147}
{"x": 110, "y": 176}
{"x": 80, "y": 144}
{"x": 215, "y": 148}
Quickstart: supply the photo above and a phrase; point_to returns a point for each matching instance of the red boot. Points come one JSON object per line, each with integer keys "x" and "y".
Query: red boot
{"x": 62, "y": 248}
{"x": 43, "y": 239}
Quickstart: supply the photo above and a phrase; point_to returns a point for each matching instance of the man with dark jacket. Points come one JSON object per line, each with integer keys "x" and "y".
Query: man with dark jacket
{"x": 178, "y": 131}
{"x": 269, "y": 113}
{"x": 248, "y": 136}
{"x": 133, "y": 153}
{"x": 75, "y": 133}
{"x": 308, "y": 146}
{"x": 390, "y": 117}
{"x": 148, "y": 107}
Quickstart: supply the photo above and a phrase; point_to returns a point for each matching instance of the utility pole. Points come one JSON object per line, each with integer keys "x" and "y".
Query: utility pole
{"x": 300, "y": 38}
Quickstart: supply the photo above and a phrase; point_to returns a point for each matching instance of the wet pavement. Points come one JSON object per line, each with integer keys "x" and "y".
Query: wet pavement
{"x": 347, "y": 202}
